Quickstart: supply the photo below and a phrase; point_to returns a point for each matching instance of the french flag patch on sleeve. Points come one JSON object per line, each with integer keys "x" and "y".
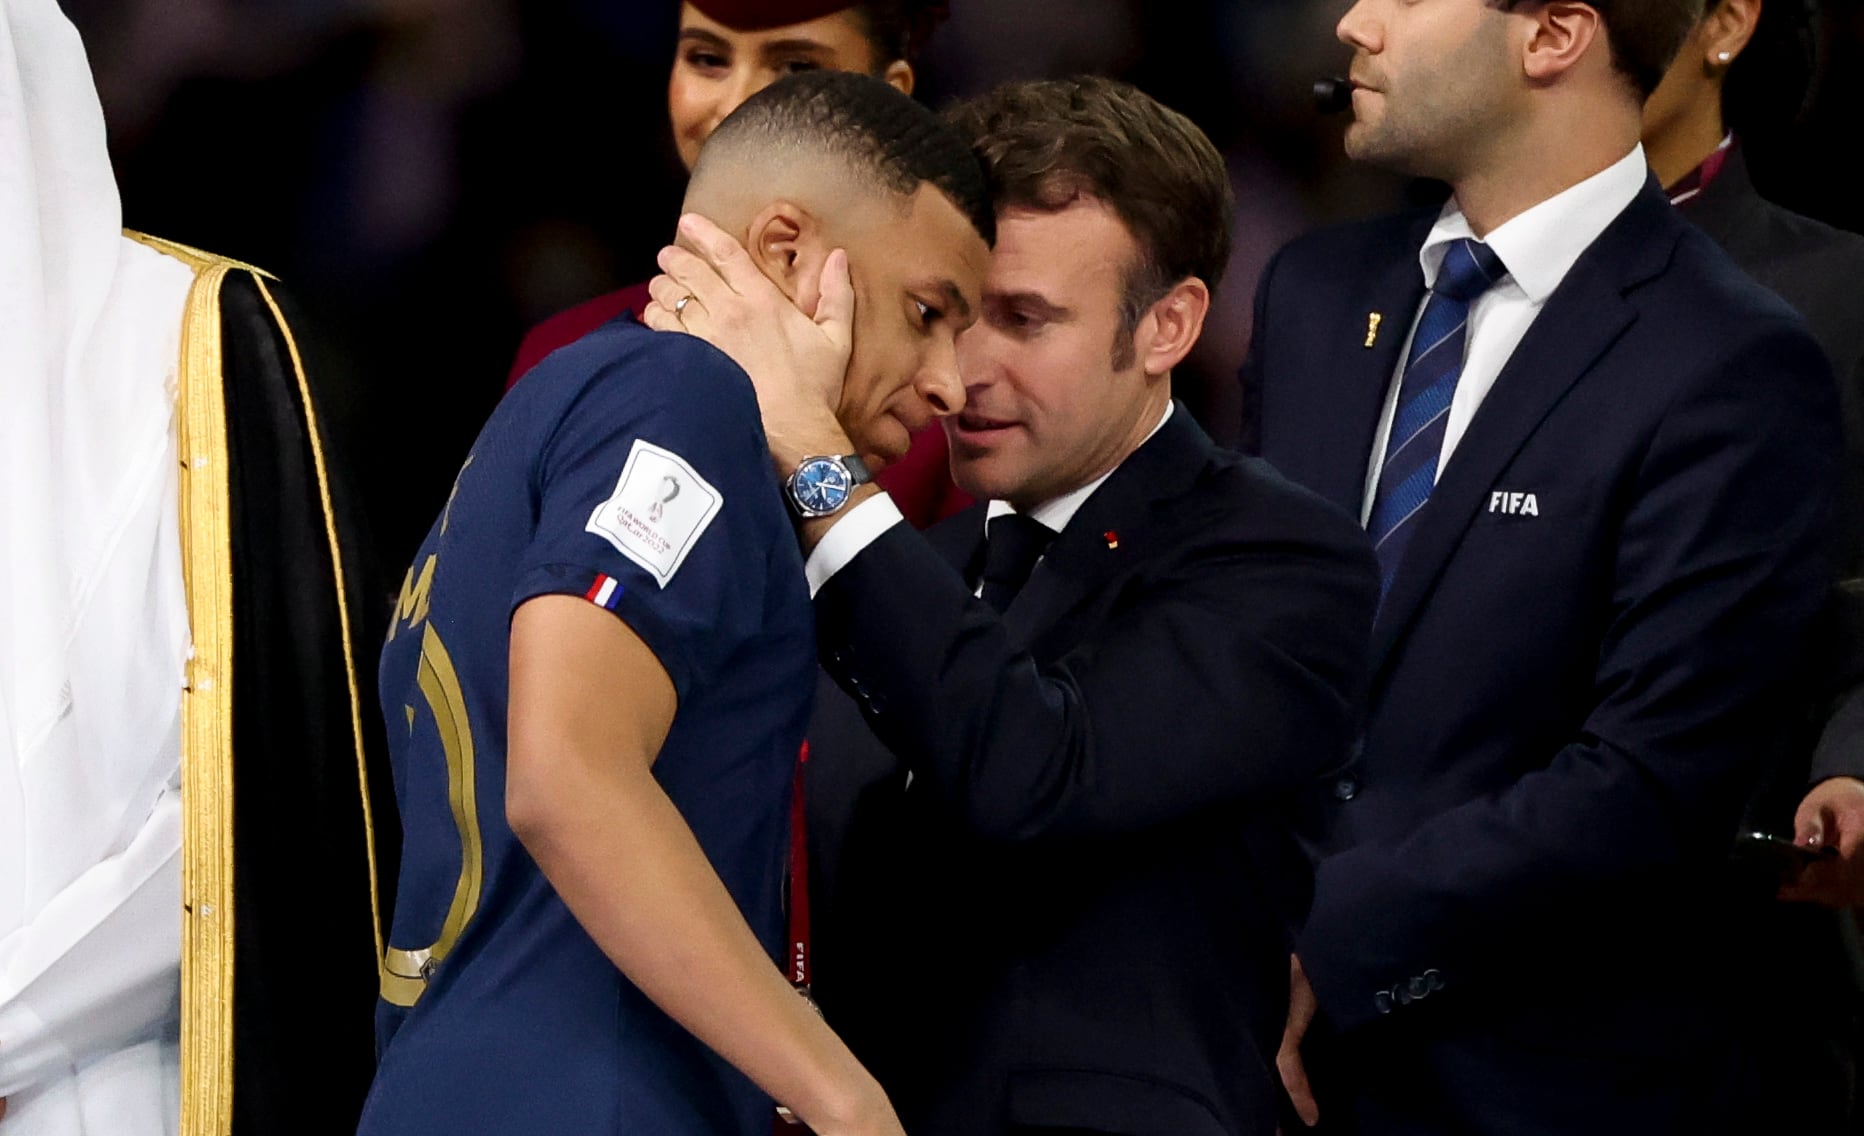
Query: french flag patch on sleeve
{"x": 605, "y": 592}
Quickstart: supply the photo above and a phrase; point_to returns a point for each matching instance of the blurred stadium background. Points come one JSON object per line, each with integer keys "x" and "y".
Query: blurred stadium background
{"x": 431, "y": 177}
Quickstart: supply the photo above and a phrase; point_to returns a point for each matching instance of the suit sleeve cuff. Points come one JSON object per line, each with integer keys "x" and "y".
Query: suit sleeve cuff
{"x": 864, "y": 524}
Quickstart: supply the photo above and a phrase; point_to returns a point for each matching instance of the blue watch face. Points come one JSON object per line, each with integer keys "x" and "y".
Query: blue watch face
{"x": 821, "y": 485}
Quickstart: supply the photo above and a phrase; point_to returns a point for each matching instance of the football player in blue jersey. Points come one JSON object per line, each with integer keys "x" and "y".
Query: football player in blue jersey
{"x": 602, "y": 663}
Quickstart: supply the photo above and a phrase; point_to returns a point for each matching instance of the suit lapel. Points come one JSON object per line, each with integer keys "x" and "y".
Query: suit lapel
{"x": 1578, "y": 325}
{"x": 1363, "y": 356}
{"x": 1113, "y": 526}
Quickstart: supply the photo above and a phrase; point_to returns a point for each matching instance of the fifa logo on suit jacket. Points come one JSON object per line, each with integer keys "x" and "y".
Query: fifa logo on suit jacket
{"x": 1514, "y": 504}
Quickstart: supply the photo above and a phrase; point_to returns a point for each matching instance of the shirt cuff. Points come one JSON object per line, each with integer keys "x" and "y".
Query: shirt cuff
{"x": 863, "y": 525}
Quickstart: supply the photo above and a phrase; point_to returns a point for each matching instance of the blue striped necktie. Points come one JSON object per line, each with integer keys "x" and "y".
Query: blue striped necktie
{"x": 1431, "y": 370}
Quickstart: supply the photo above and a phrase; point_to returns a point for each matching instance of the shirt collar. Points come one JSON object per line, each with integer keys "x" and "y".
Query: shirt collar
{"x": 1699, "y": 179}
{"x": 1057, "y": 513}
{"x": 1540, "y": 246}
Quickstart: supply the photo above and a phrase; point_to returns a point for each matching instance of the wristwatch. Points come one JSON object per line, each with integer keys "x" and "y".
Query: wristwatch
{"x": 822, "y": 484}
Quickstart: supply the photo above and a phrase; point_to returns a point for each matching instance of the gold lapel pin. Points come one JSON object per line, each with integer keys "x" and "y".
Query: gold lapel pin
{"x": 1373, "y": 320}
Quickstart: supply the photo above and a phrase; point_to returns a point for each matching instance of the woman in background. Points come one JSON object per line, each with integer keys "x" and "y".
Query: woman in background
{"x": 727, "y": 51}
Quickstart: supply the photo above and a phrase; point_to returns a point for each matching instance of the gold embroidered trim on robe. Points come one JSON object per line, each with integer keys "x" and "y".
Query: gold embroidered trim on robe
{"x": 206, "y": 713}
{"x": 207, "y": 965}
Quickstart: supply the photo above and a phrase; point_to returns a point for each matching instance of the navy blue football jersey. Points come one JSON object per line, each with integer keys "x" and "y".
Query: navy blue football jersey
{"x": 629, "y": 469}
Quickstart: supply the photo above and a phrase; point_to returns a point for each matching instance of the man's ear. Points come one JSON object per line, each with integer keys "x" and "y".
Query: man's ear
{"x": 785, "y": 242}
{"x": 1171, "y": 327}
{"x": 1563, "y": 32}
{"x": 900, "y": 74}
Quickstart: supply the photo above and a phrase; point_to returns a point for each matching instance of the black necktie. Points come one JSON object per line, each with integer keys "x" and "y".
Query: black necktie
{"x": 1012, "y": 545}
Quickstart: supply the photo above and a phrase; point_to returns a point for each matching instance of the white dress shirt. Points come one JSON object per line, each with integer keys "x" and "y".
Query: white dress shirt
{"x": 865, "y": 523}
{"x": 1538, "y": 248}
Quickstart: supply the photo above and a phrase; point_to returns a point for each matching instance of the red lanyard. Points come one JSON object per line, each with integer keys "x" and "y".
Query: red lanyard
{"x": 799, "y": 881}
{"x": 786, "y": 1122}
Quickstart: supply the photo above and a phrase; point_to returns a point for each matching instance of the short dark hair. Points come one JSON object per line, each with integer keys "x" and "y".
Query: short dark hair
{"x": 874, "y": 128}
{"x": 900, "y": 29}
{"x": 1770, "y": 82}
{"x": 1047, "y": 144}
{"x": 1644, "y": 35}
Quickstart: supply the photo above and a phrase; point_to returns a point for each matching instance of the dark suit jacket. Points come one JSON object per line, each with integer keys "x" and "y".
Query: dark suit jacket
{"x": 1819, "y": 270}
{"x": 1815, "y": 975}
{"x": 1077, "y": 913}
{"x": 1516, "y": 925}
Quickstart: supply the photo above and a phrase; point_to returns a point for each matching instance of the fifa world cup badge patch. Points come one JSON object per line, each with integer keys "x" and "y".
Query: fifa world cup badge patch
{"x": 658, "y": 512}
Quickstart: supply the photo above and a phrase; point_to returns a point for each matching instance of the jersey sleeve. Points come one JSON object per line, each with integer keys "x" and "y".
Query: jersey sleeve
{"x": 657, "y": 502}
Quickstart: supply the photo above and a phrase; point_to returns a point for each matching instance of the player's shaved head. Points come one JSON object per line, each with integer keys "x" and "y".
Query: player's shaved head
{"x": 828, "y": 141}
{"x": 832, "y": 160}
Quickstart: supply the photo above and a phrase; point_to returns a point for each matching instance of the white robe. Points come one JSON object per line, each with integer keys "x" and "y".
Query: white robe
{"x": 93, "y": 621}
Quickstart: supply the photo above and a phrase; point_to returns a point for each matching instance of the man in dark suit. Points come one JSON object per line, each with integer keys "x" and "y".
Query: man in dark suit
{"x": 1599, "y": 466}
{"x": 1743, "y": 74}
{"x": 1103, "y": 687}
{"x": 1744, "y": 71}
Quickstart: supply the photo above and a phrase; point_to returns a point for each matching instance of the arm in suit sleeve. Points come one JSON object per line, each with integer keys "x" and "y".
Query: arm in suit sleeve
{"x": 1233, "y": 670}
{"x": 1720, "y": 562}
{"x": 1840, "y": 751}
